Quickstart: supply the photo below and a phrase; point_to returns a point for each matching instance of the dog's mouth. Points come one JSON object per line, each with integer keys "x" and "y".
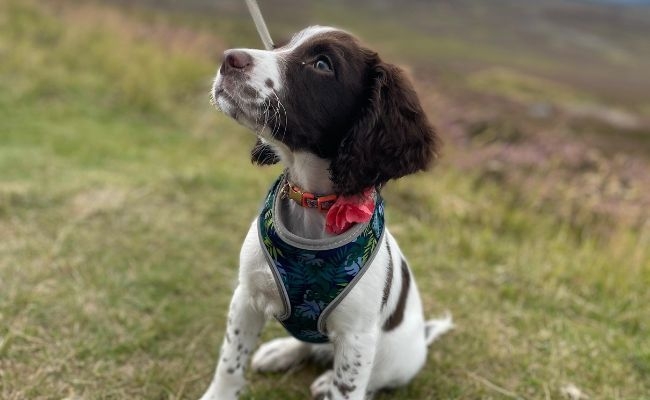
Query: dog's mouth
{"x": 244, "y": 104}
{"x": 225, "y": 102}
{"x": 236, "y": 99}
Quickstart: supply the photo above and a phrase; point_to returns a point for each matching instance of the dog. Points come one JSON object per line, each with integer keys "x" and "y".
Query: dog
{"x": 343, "y": 122}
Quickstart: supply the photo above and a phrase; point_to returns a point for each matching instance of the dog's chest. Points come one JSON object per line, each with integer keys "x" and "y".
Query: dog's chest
{"x": 256, "y": 275}
{"x": 313, "y": 276}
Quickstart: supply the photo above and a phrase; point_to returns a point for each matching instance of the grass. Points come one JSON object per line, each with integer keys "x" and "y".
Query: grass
{"x": 518, "y": 86}
{"x": 124, "y": 198}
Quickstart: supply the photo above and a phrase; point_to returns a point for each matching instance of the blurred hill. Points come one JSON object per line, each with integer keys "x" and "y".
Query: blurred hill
{"x": 547, "y": 96}
{"x": 600, "y": 47}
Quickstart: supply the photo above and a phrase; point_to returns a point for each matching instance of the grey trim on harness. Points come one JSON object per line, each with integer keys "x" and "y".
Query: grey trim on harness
{"x": 276, "y": 277}
{"x": 330, "y": 307}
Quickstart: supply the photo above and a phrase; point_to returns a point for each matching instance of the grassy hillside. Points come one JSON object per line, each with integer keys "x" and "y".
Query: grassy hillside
{"x": 124, "y": 198}
{"x": 599, "y": 48}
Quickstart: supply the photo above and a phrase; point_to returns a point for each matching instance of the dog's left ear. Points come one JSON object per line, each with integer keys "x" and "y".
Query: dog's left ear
{"x": 263, "y": 154}
{"x": 391, "y": 138}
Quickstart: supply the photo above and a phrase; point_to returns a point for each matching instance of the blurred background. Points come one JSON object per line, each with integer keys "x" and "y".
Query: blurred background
{"x": 124, "y": 196}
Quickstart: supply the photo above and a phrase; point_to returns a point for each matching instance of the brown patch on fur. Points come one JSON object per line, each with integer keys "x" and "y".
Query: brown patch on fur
{"x": 322, "y": 106}
{"x": 398, "y": 314}
{"x": 391, "y": 137}
{"x": 344, "y": 388}
{"x": 389, "y": 277}
{"x": 263, "y": 154}
{"x": 249, "y": 92}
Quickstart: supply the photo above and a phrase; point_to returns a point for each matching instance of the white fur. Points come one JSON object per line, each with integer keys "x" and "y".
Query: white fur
{"x": 366, "y": 356}
{"x": 304, "y": 35}
{"x": 280, "y": 354}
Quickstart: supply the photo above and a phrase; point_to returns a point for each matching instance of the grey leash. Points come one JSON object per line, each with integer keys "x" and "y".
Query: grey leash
{"x": 255, "y": 12}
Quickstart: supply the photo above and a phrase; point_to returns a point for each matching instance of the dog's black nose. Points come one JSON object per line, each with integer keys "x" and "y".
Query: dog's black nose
{"x": 236, "y": 60}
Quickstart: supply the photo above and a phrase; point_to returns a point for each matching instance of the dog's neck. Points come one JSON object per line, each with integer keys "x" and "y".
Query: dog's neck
{"x": 311, "y": 174}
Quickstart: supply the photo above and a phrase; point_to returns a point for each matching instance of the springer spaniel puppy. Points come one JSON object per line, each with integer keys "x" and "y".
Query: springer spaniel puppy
{"x": 318, "y": 258}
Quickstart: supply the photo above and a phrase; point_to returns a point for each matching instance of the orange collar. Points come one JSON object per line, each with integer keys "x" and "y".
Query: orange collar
{"x": 306, "y": 199}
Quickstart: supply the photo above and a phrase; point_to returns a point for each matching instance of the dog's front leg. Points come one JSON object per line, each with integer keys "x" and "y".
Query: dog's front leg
{"x": 242, "y": 332}
{"x": 354, "y": 355}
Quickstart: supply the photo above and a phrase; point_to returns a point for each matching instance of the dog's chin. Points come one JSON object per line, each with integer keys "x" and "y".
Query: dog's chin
{"x": 239, "y": 111}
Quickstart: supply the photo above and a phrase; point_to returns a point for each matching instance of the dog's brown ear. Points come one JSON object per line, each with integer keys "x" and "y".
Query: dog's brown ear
{"x": 392, "y": 137}
{"x": 263, "y": 154}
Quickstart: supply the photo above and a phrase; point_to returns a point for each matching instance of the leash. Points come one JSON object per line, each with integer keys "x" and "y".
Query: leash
{"x": 263, "y": 31}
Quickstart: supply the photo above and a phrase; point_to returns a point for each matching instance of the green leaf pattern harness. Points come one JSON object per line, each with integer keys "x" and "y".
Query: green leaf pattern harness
{"x": 313, "y": 276}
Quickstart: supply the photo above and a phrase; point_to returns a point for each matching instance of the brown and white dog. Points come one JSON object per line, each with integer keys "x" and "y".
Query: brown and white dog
{"x": 341, "y": 120}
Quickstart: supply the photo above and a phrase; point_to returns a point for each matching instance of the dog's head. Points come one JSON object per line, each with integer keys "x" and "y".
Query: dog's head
{"x": 326, "y": 94}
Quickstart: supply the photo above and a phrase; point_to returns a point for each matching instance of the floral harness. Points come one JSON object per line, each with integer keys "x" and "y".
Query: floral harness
{"x": 314, "y": 276}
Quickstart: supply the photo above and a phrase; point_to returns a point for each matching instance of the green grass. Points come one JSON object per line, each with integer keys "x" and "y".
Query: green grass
{"x": 516, "y": 85}
{"x": 124, "y": 198}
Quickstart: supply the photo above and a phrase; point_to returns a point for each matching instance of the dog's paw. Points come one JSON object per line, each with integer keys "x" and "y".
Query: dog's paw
{"x": 320, "y": 389}
{"x": 221, "y": 394}
{"x": 280, "y": 355}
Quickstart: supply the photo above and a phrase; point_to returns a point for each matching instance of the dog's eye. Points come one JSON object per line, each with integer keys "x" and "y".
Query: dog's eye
{"x": 323, "y": 64}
